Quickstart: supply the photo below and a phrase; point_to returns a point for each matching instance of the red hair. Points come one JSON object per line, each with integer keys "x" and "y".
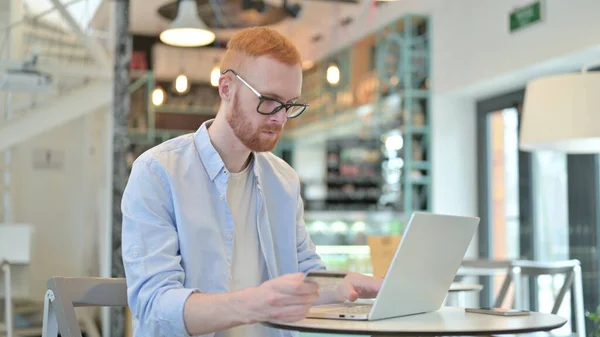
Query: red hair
{"x": 261, "y": 41}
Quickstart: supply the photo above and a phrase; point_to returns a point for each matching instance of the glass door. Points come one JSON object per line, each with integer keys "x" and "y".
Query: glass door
{"x": 502, "y": 181}
{"x": 551, "y": 227}
{"x": 523, "y": 203}
{"x": 505, "y": 231}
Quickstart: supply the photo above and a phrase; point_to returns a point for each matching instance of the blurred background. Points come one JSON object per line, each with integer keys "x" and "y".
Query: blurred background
{"x": 469, "y": 107}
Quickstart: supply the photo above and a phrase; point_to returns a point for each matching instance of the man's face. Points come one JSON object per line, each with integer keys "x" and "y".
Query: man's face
{"x": 260, "y": 133}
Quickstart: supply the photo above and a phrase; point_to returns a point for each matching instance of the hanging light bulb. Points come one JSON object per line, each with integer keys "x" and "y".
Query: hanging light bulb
{"x": 215, "y": 74}
{"x": 158, "y": 96}
{"x": 181, "y": 84}
{"x": 333, "y": 74}
{"x": 187, "y": 30}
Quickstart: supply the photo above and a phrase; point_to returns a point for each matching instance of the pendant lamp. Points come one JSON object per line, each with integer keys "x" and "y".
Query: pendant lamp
{"x": 187, "y": 30}
{"x": 333, "y": 74}
{"x": 562, "y": 113}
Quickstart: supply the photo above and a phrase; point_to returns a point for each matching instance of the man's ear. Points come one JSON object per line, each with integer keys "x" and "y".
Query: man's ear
{"x": 226, "y": 90}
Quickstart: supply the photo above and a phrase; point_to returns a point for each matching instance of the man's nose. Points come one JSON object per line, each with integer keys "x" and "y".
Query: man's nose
{"x": 280, "y": 117}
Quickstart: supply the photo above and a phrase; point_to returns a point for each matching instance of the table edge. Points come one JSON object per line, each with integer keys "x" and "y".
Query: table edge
{"x": 411, "y": 333}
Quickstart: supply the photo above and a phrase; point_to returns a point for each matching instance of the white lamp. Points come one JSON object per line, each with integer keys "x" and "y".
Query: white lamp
{"x": 333, "y": 74}
{"x": 158, "y": 96}
{"x": 187, "y": 30}
{"x": 181, "y": 84}
{"x": 562, "y": 113}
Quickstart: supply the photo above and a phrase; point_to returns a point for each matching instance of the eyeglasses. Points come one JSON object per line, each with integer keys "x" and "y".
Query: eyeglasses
{"x": 269, "y": 105}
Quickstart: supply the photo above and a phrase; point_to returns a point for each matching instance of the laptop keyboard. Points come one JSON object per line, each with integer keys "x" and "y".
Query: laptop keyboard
{"x": 350, "y": 308}
{"x": 361, "y": 309}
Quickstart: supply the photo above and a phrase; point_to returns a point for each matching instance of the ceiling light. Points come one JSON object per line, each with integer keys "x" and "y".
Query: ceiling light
{"x": 181, "y": 84}
{"x": 215, "y": 74}
{"x": 158, "y": 96}
{"x": 333, "y": 74}
{"x": 187, "y": 30}
{"x": 562, "y": 113}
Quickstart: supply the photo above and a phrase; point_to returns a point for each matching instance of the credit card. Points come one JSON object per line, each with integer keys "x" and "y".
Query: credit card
{"x": 327, "y": 280}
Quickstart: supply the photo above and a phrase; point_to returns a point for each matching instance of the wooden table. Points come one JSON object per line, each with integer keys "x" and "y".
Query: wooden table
{"x": 448, "y": 321}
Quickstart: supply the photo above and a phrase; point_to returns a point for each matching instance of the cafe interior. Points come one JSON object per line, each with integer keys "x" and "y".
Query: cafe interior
{"x": 487, "y": 109}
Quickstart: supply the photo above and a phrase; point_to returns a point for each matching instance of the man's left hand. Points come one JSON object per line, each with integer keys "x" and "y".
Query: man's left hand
{"x": 355, "y": 286}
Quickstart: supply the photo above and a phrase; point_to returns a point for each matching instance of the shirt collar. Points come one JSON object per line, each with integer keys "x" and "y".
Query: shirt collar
{"x": 212, "y": 161}
{"x": 208, "y": 154}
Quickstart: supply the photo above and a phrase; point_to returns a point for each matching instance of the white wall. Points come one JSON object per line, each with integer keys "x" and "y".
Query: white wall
{"x": 472, "y": 43}
{"x": 475, "y": 57}
{"x": 454, "y": 158}
{"x": 310, "y": 162}
{"x": 62, "y": 203}
{"x": 453, "y": 152}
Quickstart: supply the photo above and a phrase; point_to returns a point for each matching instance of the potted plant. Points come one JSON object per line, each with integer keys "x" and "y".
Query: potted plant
{"x": 595, "y": 318}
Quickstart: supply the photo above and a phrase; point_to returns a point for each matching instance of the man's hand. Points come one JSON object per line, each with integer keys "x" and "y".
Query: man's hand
{"x": 355, "y": 286}
{"x": 287, "y": 298}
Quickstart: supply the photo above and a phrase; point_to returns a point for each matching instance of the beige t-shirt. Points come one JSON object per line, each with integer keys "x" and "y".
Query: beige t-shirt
{"x": 248, "y": 268}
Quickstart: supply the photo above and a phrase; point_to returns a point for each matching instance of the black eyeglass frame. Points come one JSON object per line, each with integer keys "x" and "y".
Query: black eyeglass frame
{"x": 263, "y": 99}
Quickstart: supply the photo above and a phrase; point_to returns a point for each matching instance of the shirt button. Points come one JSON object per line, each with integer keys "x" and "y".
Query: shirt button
{"x": 221, "y": 197}
{"x": 229, "y": 237}
{"x": 225, "y": 171}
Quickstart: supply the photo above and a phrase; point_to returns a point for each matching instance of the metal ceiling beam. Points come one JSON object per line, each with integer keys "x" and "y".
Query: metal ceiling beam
{"x": 64, "y": 109}
{"x": 94, "y": 48}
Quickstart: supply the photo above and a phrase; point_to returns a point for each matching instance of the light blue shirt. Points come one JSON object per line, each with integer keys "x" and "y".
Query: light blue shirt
{"x": 178, "y": 230}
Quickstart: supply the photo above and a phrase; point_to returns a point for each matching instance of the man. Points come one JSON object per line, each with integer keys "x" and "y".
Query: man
{"x": 213, "y": 235}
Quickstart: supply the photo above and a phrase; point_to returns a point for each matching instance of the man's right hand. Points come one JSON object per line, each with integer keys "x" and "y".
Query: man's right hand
{"x": 286, "y": 298}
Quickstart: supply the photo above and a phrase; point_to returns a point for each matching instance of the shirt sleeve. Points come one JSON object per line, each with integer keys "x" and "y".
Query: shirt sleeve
{"x": 308, "y": 259}
{"x": 150, "y": 251}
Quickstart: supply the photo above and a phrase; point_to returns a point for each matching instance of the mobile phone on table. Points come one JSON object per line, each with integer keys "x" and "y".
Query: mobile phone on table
{"x": 327, "y": 280}
{"x": 498, "y": 311}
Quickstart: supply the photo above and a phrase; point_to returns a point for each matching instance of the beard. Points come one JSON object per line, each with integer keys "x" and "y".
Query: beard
{"x": 257, "y": 139}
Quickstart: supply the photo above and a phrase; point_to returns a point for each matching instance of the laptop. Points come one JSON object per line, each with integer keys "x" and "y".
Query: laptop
{"x": 432, "y": 249}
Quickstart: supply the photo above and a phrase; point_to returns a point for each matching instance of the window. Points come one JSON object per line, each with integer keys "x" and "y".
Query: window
{"x": 523, "y": 201}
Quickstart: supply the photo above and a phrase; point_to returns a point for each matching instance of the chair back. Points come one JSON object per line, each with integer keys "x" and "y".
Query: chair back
{"x": 66, "y": 293}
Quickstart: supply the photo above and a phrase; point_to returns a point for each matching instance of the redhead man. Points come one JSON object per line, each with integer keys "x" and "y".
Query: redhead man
{"x": 213, "y": 236}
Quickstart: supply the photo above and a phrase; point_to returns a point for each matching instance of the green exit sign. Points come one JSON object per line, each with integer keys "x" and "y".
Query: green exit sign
{"x": 525, "y": 16}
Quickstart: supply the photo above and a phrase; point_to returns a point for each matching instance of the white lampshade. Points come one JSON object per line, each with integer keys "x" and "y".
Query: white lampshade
{"x": 562, "y": 113}
{"x": 187, "y": 30}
